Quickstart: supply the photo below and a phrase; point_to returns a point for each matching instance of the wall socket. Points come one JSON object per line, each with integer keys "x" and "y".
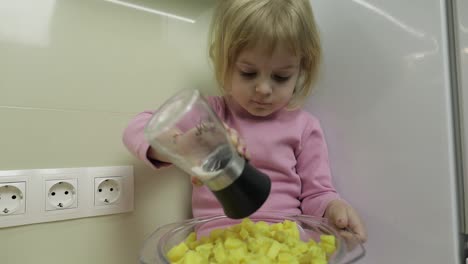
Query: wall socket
{"x": 107, "y": 191}
{"x": 45, "y": 195}
{"x": 61, "y": 194}
{"x": 12, "y": 196}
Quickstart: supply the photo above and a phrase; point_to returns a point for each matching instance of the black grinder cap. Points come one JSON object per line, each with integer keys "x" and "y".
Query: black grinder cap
{"x": 246, "y": 194}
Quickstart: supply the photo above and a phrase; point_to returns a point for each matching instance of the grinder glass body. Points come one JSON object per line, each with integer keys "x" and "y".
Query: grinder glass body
{"x": 187, "y": 131}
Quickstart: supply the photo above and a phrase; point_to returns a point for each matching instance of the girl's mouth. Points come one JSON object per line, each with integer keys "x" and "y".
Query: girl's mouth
{"x": 261, "y": 103}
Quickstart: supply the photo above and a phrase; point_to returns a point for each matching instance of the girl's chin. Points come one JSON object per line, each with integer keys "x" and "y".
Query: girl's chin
{"x": 260, "y": 112}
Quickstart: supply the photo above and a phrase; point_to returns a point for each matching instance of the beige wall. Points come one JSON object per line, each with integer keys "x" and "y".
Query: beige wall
{"x": 72, "y": 74}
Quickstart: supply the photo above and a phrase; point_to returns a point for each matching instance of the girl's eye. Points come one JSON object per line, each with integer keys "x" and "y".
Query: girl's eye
{"x": 280, "y": 79}
{"x": 248, "y": 75}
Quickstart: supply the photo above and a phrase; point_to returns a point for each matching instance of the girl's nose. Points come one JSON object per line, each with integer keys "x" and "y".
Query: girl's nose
{"x": 263, "y": 87}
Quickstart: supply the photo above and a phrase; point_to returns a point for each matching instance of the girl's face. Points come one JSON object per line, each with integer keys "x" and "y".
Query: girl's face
{"x": 262, "y": 83}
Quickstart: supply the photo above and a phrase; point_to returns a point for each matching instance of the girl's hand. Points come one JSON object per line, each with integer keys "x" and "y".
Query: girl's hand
{"x": 345, "y": 218}
{"x": 237, "y": 142}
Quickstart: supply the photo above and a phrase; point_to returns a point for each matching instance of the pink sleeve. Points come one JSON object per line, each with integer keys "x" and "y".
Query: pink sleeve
{"x": 134, "y": 139}
{"x": 314, "y": 170}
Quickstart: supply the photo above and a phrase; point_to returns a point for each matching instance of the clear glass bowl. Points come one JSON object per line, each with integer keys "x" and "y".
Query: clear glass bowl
{"x": 164, "y": 238}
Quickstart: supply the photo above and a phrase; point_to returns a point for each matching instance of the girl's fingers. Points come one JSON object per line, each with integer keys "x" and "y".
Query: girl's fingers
{"x": 242, "y": 150}
{"x": 238, "y": 143}
{"x": 350, "y": 239}
{"x": 234, "y": 138}
{"x": 357, "y": 226}
{"x": 196, "y": 181}
{"x": 341, "y": 218}
{"x": 246, "y": 154}
{"x": 337, "y": 214}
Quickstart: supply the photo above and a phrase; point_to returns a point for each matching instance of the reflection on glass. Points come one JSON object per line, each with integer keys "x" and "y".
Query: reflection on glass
{"x": 151, "y": 10}
{"x": 26, "y": 21}
{"x": 218, "y": 160}
{"x": 416, "y": 56}
{"x": 391, "y": 18}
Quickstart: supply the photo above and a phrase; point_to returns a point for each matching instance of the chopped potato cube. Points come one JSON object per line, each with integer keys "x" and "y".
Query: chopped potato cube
{"x": 177, "y": 252}
{"x": 285, "y": 257}
{"x": 262, "y": 227}
{"x": 274, "y": 250}
{"x": 219, "y": 252}
{"x": 232, "y": 243}
{"x": 244, "y": 234}
{"x": 216, "y": 233}
{"x": 329, "y": 249}
{"x": 205, "y": 250}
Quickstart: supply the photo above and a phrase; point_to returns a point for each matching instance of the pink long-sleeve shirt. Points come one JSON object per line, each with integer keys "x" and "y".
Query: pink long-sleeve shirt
{"x": 288, "y": 146}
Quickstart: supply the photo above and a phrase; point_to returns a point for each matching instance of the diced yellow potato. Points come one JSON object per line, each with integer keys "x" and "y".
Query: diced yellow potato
{"x": 316, "y": 252}
{"x": 193, "y": 245}
{"x": 235, "y": 228}
{"x": 290, "y": 241}
{"x": 318, "y": 261}
{"x": 262, "y": 227}
{"x": 277, "y": 226}
{"x": 244, "y": 234}
{"x": 238, "y": 254}
{"x": 231, "y": 234}
{"x": 312, "y": 243}
{"x": 204, "y": 240}
{"x": 289, "y": 262}
{"x": 280, "y": 236}
{"x": 247, "y": 222}
{"x": 192, "y": 257}
{"x": 300, "y": 248}
{"x": 293, "y": 232}
{"x": 219, "y": 253}
{"x": 191, "y": 237}
{"x": 204, "y": 247}
{"x": 264, "y": 248}
{"x": 329, "y": 249}
{"x": 216, "y": 233}
{"x": 192, "y": 241}
{"x": 205, "y": 250}
{"x": 329, "y": 239}
{"x": 285, "y": 257}
{"x": 257, "y": 259}
{"x": 177, "y": 252}
{"x": 232, "y": 243}
{"x": 274, "y": 250}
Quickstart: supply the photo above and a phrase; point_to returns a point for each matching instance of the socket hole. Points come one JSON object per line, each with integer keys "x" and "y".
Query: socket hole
{"x": 13, "y": 197}
{"x": 111, "y": 189}
{"x": 66, "y": 192}
{"x": 53, "y": 193}
{"x": 100, "y": 190}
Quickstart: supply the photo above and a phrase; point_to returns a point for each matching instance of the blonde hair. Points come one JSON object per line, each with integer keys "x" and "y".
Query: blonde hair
{"x": 240, "y": 24}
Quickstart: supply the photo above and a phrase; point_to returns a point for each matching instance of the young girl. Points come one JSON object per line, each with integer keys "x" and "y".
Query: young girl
{"x": 266, "y": 54}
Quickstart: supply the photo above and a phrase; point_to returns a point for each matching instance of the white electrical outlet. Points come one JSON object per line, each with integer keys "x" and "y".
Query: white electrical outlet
{"x": 46, "y": 195}
{"x": 61, "y": 194}
{"x": 12, "y": 197}
{"x": 107, "y": 191}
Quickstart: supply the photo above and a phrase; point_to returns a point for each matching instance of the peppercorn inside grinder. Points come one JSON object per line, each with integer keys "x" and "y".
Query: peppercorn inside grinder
{"x": 188, "y": 133}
